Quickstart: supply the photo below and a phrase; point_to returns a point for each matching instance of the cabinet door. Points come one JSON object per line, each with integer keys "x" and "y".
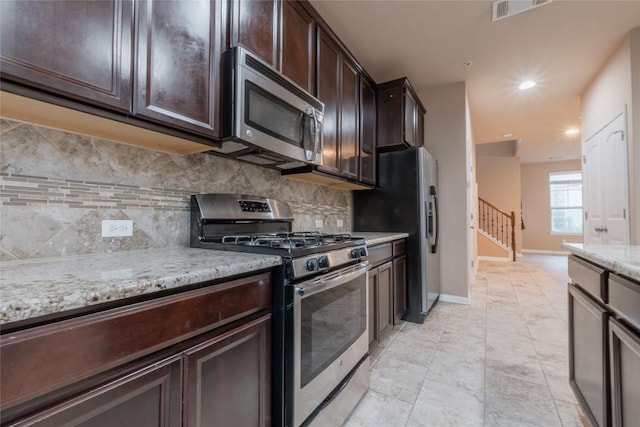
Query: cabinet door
{"x": 254, "y": 26}
{"x": 178, "y": 69}
{"x": 390, "y": 123}
{"x": 367, "y": 132}
{"x": 588, "y": 360}
{"x": 227, "y": 378}
{"x": 625, "y": 374}
{"x": 298, "y": 45}
{"x": 149, "y": 397}
{"x": 409, "y": 118}
{"x": 329, "y": 93}
{"x": 385, "y": 298}
{"x": 399, "y": 288}
{"x": 373, "y": 312}
{"x": 349, "y": 128}
{"x": 80, "y": 49}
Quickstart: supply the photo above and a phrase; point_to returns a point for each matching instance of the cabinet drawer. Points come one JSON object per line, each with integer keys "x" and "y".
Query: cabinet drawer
{"x": 589, "y": 277}
{"x": 624, "y": 298}
{"x": 379, "y": 254}
{"x": 399, "y": 247}
{"x": 91, "y": 344}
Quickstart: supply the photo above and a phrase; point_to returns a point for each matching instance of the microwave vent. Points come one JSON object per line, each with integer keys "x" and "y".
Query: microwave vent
{"x": 506, "y": 8}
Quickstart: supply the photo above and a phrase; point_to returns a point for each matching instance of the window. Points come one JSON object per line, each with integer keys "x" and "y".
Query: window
{"x": 565, "y": 189}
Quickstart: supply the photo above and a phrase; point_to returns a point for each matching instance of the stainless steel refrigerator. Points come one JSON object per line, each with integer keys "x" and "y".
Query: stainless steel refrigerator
{"x": 406, "y": 200}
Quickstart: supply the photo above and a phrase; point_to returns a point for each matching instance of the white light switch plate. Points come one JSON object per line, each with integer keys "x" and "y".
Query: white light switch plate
{"x": 117, "y": 228}
{"x": 339, "y": 223}
{"x": 319, "y": 223}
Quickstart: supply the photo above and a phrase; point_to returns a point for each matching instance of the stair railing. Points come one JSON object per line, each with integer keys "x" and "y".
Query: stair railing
{"x": 498, "y": 224}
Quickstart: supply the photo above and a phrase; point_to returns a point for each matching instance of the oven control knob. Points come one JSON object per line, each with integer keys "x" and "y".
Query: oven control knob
{"x": 355, "y": 253}
{"x": 323, "y": 262}
{"x": 312, "y": 264}
{"x": 363, "y": 251}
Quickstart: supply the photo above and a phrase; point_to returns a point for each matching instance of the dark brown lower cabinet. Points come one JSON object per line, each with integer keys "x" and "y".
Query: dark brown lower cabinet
{"x": 588, "y": 356}
{"x": 227, "y": 379}
{"x": 399, "y": 288}
{"x": 387, "y": 288}
{"x": 198, "y": 358}
{"x": 380, "y": 302}
{"x": 625, "y": 374}
{"x": 148, "y": 397}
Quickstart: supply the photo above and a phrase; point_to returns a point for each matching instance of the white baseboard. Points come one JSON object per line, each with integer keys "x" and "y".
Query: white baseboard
{"x": 494, "y": 258}
{"x": 544, "y": 252}
{"x": 455, "y": 299}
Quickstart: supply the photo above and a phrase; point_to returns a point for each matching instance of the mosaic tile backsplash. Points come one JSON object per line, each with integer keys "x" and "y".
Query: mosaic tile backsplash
{"x": 57, "y": 187}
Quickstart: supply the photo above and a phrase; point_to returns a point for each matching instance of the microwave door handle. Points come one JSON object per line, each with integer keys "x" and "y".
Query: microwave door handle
{"x": 310, "y": 152}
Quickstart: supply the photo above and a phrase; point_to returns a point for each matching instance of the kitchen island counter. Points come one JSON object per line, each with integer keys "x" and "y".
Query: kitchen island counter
{"x": 45, "y": 287}
{"x": 376, "y": 238}
{"x": 622, "y": 259}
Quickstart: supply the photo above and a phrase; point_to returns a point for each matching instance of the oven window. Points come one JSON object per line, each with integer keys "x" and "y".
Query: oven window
{"x": 331, "y": 321}
{"x": 272, "y": 115}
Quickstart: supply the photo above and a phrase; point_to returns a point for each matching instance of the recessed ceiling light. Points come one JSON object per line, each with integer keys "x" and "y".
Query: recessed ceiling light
{"x": 572, "y": 131}
{"x": 507, "y": 135}
{"x": 527, "y": 84}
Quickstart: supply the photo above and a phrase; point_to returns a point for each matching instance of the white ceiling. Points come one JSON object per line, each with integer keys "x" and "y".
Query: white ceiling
{"x": 562, "y": 45}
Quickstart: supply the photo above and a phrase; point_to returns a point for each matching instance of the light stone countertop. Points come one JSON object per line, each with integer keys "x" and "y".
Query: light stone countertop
{"x": 375, "y": 238}
{"x": 623, "y": 259}
{"x": 34, "y": 288}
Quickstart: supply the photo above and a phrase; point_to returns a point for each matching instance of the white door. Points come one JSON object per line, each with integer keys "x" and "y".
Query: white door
{"x": 606, "y": 184}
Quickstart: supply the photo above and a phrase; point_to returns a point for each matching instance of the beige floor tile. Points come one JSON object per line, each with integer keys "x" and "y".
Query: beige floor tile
{"x": 443, "y": 405}
{"x": 397, "y": 378}
{"x": 376, "y": 409}
{"x": 522, "y": 400}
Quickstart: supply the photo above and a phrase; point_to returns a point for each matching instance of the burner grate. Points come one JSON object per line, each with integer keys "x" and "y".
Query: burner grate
{"x": 292, "y": 240}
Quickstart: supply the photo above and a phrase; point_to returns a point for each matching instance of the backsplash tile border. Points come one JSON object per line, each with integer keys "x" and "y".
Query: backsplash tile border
{"x": 26, "y": 190}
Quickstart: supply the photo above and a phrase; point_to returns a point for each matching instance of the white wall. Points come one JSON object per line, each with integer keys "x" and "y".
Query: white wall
{"x": 446, "y": 138}
{"x": 618, "y": 84}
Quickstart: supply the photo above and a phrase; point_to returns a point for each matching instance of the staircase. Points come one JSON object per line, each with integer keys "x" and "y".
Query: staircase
{"x": 498, "y": 225}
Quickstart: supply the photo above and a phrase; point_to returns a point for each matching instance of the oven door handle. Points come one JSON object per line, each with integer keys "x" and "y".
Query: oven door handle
{"x": 332, "y": 280}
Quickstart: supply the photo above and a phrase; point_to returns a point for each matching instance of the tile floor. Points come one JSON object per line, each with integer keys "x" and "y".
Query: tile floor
{"x": 500, "y": 361}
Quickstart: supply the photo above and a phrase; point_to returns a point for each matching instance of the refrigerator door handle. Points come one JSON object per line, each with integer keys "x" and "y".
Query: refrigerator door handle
{"x": 434, "y": 216}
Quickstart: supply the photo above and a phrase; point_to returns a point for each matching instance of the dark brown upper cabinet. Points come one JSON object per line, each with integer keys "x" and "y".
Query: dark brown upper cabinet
{"x": 400, "y": 116}
{"x": 179, "y": 46}
{"x": 254, "y": 25}
{"x": 78, "y": 49}
{"x": 367, "y": 155}
{"x": 349, "y": 141}
{"x": 329, "y": 71}
{"x": 297, "y": 59}
{"x": 282, "y": 33}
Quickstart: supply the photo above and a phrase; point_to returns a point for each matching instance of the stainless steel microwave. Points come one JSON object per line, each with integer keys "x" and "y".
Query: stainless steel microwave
{"x": 266, "y": 118}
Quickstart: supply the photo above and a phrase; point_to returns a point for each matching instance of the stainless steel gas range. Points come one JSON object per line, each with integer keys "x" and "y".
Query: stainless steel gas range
{"x": 320, "y": 316}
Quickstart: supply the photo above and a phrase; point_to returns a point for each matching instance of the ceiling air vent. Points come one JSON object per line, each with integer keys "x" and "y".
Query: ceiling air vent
{"x": 505, "y": 8}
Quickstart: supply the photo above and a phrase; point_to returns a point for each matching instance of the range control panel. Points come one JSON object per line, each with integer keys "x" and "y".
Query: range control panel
{"x": 253, "y": 206}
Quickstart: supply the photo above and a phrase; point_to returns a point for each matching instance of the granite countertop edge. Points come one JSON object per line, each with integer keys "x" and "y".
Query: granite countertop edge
{"x": 44, "y": 287}
{"x": 377, "y": 238}
{"x": 622, "y": 259}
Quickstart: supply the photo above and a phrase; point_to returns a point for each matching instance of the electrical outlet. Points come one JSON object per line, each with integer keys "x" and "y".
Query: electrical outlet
{"x": 117, "y": 228}
{"x": 319, "y": 223}
{"x": 339, "y": 223}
